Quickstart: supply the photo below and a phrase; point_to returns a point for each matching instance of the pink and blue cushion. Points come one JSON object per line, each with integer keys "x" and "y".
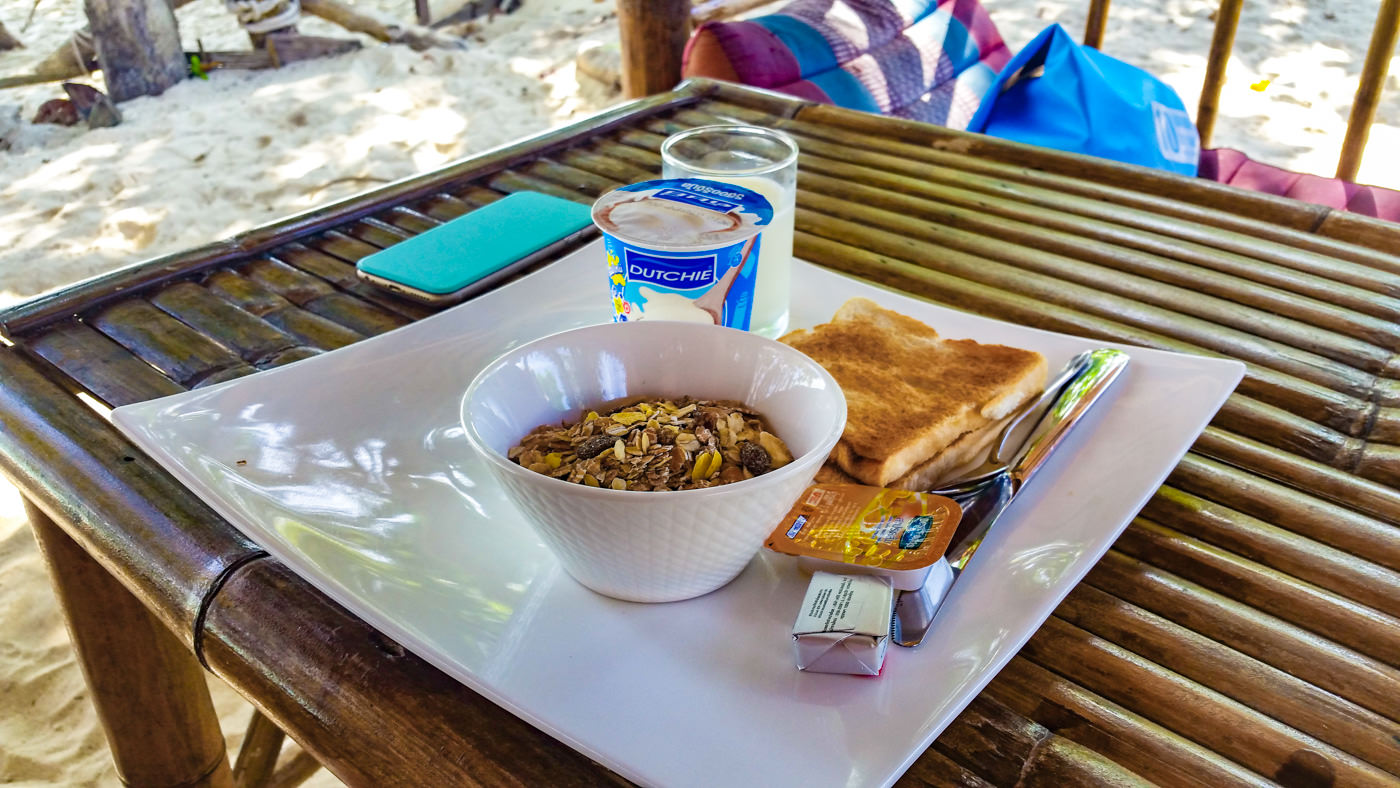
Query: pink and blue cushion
{"x": 1235, "y": 168}
{"x": 927, "y": 60}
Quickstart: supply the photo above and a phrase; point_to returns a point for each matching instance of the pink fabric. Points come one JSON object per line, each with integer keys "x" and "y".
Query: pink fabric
{"x": 1233, "y": 167}
{"x": 757, "y": 56}
{"x": 929, "y": 60}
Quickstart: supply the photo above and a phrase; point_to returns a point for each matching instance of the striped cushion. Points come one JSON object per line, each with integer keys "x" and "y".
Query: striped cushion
{"x": 928, "y": 60}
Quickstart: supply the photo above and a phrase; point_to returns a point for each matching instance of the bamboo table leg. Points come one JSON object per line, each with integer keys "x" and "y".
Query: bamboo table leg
{"x": 149, "y": 690}
{"x": 653, "y": 36}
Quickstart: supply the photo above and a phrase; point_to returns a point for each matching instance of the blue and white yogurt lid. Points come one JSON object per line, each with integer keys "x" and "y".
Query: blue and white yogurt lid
{"x": 682, "y": 213}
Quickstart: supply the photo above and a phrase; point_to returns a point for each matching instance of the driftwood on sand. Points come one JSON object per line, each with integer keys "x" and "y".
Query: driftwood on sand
{"x": 78, "y": 55}
{"x": 416, "y": 38}
{"x": 8, "y": 41}
{"x": 278, "y": 49}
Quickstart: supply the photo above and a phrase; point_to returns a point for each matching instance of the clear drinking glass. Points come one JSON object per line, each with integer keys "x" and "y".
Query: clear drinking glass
{"x": 764, "y": 161}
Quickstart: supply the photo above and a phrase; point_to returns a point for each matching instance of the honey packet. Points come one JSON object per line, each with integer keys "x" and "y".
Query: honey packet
{"x": 855, "y": 529}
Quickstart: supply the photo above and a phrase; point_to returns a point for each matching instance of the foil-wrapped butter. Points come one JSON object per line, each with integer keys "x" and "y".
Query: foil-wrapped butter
{"x": 844, "y": 624}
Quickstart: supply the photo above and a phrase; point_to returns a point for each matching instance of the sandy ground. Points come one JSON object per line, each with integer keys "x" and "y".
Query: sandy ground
{"x": 210, "y": 158}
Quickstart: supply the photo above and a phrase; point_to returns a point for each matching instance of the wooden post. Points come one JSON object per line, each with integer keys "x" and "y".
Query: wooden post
{"x": 138, "y": 46}
{"x": 653, "y": 36}
{"x": 1227, "y": 20}
{"x": 1094, "y": 25}
{"x": 1368, "y": 93}
{"x": 149, "y": 690}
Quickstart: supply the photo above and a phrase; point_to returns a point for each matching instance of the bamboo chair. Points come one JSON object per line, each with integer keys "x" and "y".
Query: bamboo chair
{"x": 654, "y": 33}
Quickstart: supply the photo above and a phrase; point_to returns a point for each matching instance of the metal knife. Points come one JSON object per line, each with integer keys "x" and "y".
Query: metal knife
{"x": 1088, "y": 376}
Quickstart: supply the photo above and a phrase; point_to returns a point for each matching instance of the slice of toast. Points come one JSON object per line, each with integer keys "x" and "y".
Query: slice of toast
{"x": 966, "y": 453}
{"x": 910, "y": 393}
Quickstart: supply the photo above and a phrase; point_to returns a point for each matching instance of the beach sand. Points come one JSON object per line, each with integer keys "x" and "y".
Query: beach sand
{"x": 211, "y": 158}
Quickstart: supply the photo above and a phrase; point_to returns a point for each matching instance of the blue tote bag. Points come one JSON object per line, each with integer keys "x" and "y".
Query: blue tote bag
{"x": 1059, "y": 94}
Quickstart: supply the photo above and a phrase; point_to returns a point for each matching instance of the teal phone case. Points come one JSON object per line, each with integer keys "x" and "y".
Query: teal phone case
{"x": 446, "y": 259}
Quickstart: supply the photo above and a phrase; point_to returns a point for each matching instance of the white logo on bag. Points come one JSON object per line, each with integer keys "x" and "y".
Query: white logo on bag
{"x": 1176, "y": 136}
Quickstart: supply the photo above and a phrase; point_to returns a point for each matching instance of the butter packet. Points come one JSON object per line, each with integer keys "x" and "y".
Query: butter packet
{"x": 854, "y": 529}
{"x": 844, "y": 625}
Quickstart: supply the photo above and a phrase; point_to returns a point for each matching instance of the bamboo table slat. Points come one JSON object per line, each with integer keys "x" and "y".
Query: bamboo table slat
{"x": 1244, "y": 631}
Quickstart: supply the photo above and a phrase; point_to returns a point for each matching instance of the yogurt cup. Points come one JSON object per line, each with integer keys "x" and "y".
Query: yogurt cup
{"x": 683, "y": 249}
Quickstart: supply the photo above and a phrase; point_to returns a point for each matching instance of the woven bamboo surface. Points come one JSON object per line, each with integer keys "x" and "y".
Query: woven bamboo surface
{"x": 1245, "y": 630}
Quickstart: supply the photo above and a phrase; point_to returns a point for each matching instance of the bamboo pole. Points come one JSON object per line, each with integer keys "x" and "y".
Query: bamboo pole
{"x": 1096, "y": 22}
{"x": 148, "y": 688}
{"x": 1005, "y": 748}
{"x": 1168, "y": 187}
{"x": 318, "y": 297}
{"x": 59, "y": 305}
{"x": 341, "y": 273}
{"x": 858, "y": 232}
{"x": 329, "y": 679}
{"x": 1364, "y": 536}
{"x": 1367, "y": 737}
{"x": 1199, "y": 212}
{"x": 1257, "y": 741}
{"x": 1222, "y": 42}
{"x": 1185, "y": 292}
{"x": 1368, "y": 93}
{"x": 257, "y": 757}
{"x": 1330, "y": 482}
{"x": 1344, "y": 573}
{"x": 443, "y": 207}
{"x": 181, "y": 353}
{"x": 310, "y": 329}
{"x": 1309, "y": 655}
{"x": 1379, "y": 272}
{"x": 297, "y": 770}
{"x": 1355, "y": 626}
{"x": 252, "y": 339}
{"x": 1107, "y": 727}
{"x": 1355, "y": 287}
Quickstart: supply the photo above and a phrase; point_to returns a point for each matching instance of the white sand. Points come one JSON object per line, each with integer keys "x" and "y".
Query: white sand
{"x": 208, "y": 159}
{"x": 211, "y": 158}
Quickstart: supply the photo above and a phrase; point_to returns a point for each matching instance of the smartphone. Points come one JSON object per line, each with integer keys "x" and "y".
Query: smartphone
{"x": 471, "y": 253}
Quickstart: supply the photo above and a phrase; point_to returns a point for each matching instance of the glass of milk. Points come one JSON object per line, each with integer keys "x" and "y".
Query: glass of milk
{"x": 764, "y": 161}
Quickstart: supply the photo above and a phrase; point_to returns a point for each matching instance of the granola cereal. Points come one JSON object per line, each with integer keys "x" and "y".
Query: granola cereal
{"x": 656, "y": 444}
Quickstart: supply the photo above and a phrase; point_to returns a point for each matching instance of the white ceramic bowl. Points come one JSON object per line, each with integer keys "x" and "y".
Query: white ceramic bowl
{"x": 653, "y": 546}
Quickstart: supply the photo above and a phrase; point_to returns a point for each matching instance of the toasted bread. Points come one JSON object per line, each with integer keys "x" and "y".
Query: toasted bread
{"x": 831, "y": 473}
{"x": 911, "y": 394}
{"x": 967, "y": 453}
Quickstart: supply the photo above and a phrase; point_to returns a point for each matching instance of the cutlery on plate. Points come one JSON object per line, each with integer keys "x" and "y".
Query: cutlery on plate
{"x": 986, "y": 494}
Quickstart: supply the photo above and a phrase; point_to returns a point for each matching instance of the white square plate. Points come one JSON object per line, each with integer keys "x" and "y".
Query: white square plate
{"x": 351, "y": 468}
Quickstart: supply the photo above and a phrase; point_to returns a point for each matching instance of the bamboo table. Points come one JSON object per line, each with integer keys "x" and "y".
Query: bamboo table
{"x": 1244, "y": 629}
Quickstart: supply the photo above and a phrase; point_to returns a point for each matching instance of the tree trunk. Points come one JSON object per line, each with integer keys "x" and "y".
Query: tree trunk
{"x": 138, "y": 46}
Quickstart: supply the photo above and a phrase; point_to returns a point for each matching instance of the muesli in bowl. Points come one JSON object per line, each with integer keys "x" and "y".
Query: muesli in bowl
{"x": 656, "y": 444}
{"x": 653, "y": 545}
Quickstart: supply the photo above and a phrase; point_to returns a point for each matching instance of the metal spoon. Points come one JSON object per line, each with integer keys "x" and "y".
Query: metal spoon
{"x": 1000, "y": 458}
